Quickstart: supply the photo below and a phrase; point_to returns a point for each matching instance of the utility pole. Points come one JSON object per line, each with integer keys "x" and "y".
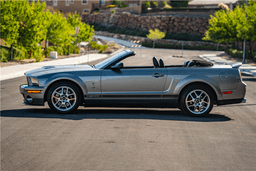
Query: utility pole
{"x": 244, "y": 40}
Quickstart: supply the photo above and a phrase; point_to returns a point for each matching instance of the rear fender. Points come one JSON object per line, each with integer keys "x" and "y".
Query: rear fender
{"x": 196, "y": 79}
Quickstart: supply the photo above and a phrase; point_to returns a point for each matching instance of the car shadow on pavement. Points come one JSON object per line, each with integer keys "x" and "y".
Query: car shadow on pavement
{"x": 151, "y": 114}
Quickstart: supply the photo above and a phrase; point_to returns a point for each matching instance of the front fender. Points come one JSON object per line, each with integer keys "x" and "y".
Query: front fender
{"x": 66, "y": 76}
{"x": 203, "y": 79}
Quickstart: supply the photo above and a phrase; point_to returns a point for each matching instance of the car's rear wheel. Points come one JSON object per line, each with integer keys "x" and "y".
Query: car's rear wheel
{"x": 196, "y": 100}
{"x": 64, "y": 97}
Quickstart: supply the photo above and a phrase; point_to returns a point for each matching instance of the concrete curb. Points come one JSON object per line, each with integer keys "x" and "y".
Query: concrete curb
{"x": 245, "y": 68}
{"x": 19, "y": 70}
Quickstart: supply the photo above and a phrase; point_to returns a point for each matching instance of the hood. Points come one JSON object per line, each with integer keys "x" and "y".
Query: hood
{"x": 58, "y": 69}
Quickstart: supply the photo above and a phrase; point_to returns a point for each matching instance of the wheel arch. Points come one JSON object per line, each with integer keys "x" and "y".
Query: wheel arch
{"x": 199, "y": 83}
{"x": 63, "y": 80}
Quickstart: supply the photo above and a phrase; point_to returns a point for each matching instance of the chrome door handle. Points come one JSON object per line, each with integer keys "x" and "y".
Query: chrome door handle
{"x": 157, "y": 75}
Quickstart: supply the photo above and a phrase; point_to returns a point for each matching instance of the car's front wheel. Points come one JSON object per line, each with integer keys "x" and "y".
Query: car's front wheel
{"x": 64, "y": 97}
{"x": 197, "y": 100}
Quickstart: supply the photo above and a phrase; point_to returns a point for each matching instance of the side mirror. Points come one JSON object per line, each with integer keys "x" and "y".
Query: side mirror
{"x": 117, "y": 66}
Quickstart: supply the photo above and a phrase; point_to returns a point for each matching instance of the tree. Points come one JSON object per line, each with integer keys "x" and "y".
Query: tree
{"x": 85, "y": 30}
{"x": 32, "y": 26}
{"x": 246, "y": 29}
{"x": 58, "y": 31}
{"x": 233, "y": 26}
{"x": 9, "y": 25}
{"x": 154, "y": 35}
{"x": 222, "y": 27}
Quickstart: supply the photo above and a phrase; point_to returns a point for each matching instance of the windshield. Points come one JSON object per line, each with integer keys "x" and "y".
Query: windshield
{"x": 111, "y": 59}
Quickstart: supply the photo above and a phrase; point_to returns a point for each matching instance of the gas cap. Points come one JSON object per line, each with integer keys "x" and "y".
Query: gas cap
{"x": 223, "y": 76}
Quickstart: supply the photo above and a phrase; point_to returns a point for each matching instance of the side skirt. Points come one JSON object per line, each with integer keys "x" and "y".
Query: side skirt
{"x": 138, "y": 102}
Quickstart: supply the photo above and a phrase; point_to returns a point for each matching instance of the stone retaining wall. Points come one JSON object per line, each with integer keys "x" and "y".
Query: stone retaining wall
{"x": 167, "y": 24}
{"x": 162, "y": 41}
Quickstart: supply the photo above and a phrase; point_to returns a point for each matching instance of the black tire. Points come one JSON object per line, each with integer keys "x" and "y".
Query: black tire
{"x": 201, "y": 106}
{"x": 72, "y": 104}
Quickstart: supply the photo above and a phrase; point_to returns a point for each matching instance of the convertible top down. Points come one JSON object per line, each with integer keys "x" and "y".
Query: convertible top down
{"x": 193, "y": 87}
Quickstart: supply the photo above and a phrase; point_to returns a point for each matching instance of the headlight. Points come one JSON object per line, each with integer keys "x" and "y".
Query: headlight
{"x": 33, "y": 81}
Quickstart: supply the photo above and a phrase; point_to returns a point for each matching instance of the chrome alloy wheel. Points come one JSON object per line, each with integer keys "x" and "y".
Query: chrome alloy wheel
{"x": 63, "y": 98}
{"x": 197, "y": 101}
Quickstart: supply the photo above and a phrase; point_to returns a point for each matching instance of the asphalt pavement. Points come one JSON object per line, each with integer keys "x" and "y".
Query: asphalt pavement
{"x": 36, "y": 138}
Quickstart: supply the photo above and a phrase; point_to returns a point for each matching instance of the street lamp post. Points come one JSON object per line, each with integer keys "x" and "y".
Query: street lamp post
{"x": 244, "y": 41}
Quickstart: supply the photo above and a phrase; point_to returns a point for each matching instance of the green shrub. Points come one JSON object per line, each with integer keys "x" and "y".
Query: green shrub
{"x": 71, "y": 49}
{"x": 103, "y": 48}
{"x": 113, "y": 11}
{"x": 65, "y": 50}
{"x": 19, "y": 53}
{"x": 37, "y": 54}
{"x": 119, "y": 3}
{"x": 4, "y": 54}
{"x": 94, "y": 45}
{"x": 60, "y": 50}
{"x": 145, "y": 5}
{"x": 77, "y": 50}
{"x": 154, "y": 4}
{"x": 179, "y": 3}
{"x": 239, "y": 53}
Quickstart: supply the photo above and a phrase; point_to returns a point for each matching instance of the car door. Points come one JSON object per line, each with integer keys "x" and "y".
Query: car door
{"x": 133, "y": 83}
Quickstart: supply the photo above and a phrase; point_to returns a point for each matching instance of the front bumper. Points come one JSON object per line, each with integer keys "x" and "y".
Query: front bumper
{"x": 32, "y": 98}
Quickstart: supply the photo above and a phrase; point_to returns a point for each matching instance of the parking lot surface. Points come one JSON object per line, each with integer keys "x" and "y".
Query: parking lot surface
{"x": 36, "y": 138}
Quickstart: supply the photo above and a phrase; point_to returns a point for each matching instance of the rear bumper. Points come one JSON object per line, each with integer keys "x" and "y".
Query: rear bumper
{"x": 237, "y": 95}
{"x": 32, "y": 98}
{"x": 233, "y": 101}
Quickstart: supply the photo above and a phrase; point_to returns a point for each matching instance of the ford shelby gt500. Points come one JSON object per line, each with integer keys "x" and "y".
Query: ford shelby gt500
{"x": 193, "y": 87}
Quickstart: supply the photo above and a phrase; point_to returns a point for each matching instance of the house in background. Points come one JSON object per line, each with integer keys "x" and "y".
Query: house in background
{"x": 211, "y": 3}
{"x": 82, "y": 6}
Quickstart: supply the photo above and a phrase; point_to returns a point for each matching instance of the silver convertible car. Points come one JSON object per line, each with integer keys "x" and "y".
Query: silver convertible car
{"x": 193, "y": 87}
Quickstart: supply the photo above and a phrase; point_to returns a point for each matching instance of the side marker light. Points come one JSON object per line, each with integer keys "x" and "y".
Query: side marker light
{"x": 33, "y": 91}
{"x": 227, "y": 92}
